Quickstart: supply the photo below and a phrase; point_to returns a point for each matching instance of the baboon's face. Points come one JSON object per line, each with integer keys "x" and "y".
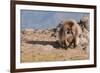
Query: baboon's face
{"x": 68, "y": 31}
{"x": 68, "y": 37}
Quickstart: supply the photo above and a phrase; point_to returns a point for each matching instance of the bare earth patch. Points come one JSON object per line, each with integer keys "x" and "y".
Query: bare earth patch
{"x": 42, "y": 46}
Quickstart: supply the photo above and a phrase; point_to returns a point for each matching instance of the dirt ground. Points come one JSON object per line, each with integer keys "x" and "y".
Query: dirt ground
{"x": 41, "y": 45}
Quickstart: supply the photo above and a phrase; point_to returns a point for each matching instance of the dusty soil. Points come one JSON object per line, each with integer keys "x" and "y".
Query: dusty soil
{"x": 41, "y": 45}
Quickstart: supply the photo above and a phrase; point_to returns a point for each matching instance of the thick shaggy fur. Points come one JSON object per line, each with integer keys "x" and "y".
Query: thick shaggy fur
{"x": 69, "y": 33}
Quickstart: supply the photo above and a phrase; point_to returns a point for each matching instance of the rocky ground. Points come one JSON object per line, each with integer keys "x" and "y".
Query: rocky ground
{"x": 41, "y": 45}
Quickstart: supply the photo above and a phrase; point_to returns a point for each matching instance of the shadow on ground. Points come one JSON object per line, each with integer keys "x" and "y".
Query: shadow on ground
{"x": 53, "y": 43}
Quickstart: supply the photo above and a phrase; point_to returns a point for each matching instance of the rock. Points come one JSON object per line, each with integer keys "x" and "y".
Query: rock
{"x": 85, "y": 34}
{"x": 85, "y": 19}
{"x": 28, "y": 31}
{"x": 46, "y": 31}
{"x": 38, "y": 46}
{"x": 84, "y": 43}
{"x": 84, "y": 22}
{"x": 48, "y": 48}
{"x": 43, "y": 48}
{"x": 39, "y": 31}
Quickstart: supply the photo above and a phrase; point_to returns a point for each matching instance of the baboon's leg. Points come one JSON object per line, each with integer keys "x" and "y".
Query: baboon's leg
{"x": 76, "y": 41}
{"x": 66, "y": 44}
{"x": 71, "y": 44}
{"x": 62, "y": 44}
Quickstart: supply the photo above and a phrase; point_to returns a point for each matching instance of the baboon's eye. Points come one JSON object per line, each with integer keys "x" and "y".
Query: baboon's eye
{"x": 67, "y": 32}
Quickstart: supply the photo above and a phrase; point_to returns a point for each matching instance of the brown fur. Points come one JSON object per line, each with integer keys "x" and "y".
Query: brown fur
{"x": 69, "y": 33}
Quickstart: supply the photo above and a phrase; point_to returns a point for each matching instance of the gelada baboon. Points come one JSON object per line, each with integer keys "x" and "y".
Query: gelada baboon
{"x": 69, "y": 33}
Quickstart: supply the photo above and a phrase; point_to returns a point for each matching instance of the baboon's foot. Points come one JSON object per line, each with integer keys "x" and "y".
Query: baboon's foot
{"x": 64, "y": 47}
